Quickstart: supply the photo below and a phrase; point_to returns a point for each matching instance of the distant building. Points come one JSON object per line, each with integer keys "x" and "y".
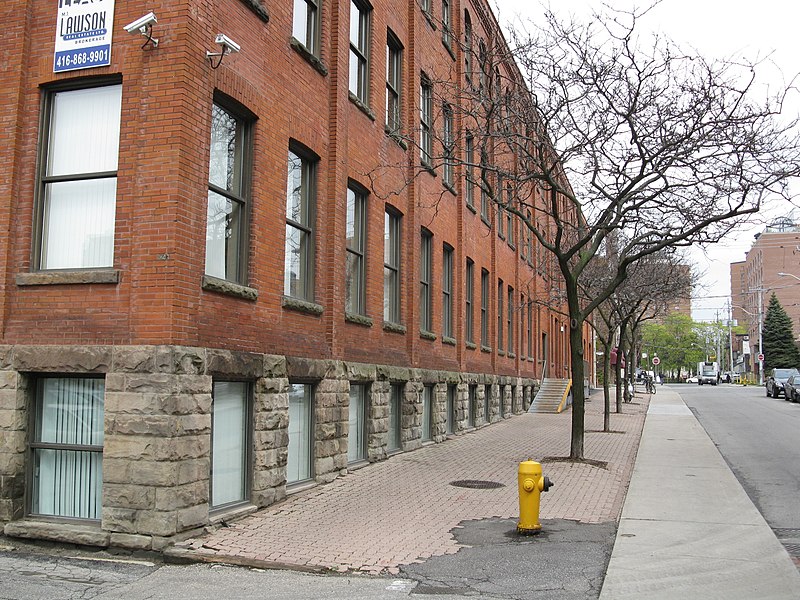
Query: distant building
{"x": 775, "y": 250}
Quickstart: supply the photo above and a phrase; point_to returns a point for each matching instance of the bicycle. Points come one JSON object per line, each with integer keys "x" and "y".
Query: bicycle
{"x": 650, "y": 385}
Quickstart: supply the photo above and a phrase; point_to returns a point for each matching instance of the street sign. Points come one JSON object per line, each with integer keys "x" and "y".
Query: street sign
{"x": 760, "y": 358}
{"x": 656, "y": 361}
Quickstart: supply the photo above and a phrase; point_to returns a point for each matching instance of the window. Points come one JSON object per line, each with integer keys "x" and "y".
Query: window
{"x": 425, "y": 5}
{"x": 359, "y": 50}
{"x": 425, "y": 281}
{"x": 499, "y": 314}
{"x": 472, "y": 393}
{"x": 530, "y": 330}
{"x": 448, "y": 145}
{"x": 501, "y": 401}
{"x": 78, "y": 180}
{"x": 355, "y": 285}
{"x": 450, "y": 427}
{"x": 501, "y": 220}
{"x": 394, "y": 74}
{"x": 484, "y": 197}
{"x": 427, "y": 413}
{"x": 529, "y": 238}
{"x": 226, "y": 227}
{"x": 509, "y": 218}
{"x": 522, "y": 340}
{"x": 357, "y": 430}
{"x": 298, "y": 276}
{"x": 469, "y": 157}
{"x": 299, "y": 461}
{"x": 484, "y": 308}
{"x": 510, "y": 320}
{"x": 391, "y": 267}
{"x": 395, "y": 417}
{"x": 468, "y": 47}
{"x": 447, "y": 291}
{"x": 483, "y": 65}
{"x": 230, "y": 442}
{"x": 487, "y": 403}
{"x": 67, "y": 448}
{"x": 305, "y": 26}
{"x": 425, "y": 120}
{"x": 447, "y": 26}
{"x": 469, "y": 329}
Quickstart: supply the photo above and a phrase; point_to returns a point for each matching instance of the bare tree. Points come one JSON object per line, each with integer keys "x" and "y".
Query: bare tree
{"x": 588, "y": 131}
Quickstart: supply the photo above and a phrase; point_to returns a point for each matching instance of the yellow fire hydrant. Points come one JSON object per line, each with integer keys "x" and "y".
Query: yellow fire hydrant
{"x": 531, "y": 486}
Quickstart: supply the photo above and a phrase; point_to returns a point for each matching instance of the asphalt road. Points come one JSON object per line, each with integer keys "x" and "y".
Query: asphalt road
{"x": 566, "y": 561}
{"x": 759, "y": 437}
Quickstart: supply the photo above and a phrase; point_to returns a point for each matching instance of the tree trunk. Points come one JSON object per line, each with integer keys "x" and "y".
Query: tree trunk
{"x": 606, "y": 389}
{"x": 578, "y": 398}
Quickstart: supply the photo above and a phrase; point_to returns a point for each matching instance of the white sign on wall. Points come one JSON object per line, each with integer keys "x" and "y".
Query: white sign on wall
{"x": 83, "y": 34}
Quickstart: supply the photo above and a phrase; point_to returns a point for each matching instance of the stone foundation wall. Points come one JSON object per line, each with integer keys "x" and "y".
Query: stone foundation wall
{"x": 157, "y": 419}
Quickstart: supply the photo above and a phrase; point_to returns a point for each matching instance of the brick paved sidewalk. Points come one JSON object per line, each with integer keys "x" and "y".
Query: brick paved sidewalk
{"x": 402, "y": 510}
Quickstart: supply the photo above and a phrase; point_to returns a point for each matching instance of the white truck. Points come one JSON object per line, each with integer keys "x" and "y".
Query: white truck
{"x": 707, "y": 372}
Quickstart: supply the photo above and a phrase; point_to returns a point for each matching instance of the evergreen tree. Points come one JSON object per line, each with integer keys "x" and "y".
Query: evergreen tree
{"x": 780, "y": 351}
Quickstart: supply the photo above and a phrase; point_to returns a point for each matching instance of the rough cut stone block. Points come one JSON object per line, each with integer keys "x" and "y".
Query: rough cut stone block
{"x": 122, "y": 520}
{"x": 189, "y": 471}
{"x": 133, "y": 359}
{"x": 63, "y": 359}
{"x": 146, "y": 425}
{"x": 182, "y": 496}
{"x": 192, "y": 517}
{"x": 152, "y": 522}
{"x": 227, "y": 363}
{"x": 132, "y": 542}
{"x": 145, "y": 472}
{"x": 128, "y": 496}
{"x": 274, "y": 367}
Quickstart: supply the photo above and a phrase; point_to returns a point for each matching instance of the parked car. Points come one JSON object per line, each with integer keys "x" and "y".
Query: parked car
{"x": 776, "y": 378}
{"x": 791, "y": 389}
{"x": 691, "y": 379}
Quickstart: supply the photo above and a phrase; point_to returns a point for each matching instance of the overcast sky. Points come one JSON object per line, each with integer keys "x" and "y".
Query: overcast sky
{"x": 716, "y": 28}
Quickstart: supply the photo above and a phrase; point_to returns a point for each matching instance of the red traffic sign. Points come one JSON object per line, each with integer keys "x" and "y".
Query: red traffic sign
{"x": 656, "y": 360}
{"x": 760, "y": 357}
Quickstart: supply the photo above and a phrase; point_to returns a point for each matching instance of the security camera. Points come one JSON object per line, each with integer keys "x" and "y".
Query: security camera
{"x": 141, "y": 25}
{"x": 228, "y": 45}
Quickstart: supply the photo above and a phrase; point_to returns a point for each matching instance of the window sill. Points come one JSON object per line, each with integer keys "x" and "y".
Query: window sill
{"x": 393, "y": 327}
{"x": 396, "y": 137}
{"x": 448, "y": 340}
{"x": 501, "y": 353}
{"x": 258, "y": 9}
{"x": 221, "y": 286}
{"x": 357, "y": 464}
{"x": 303, "y": 306}
{"x": 83, "y": 276}
{"x": 486, "y": 221}
{"x": 486, "y": 348}
{"x": 512, "y": 355}
{"x": 300, "y": 486}
{"x": 308, "y": 56}
{"x": 471, "y": 346}
{"x": 449, "y": 187}
{"x": 427, "y": 167}
{"x": 358, "y": 319}
{"x": 427, "y": 335}
{"x": 89, "y": 534}
{"x": 230, "y": 513}
{"x": 449, "y": 47}
{"x": 472, "y": 209}
{"x": 429, "y": 18}
{"x": 361, "y": 106}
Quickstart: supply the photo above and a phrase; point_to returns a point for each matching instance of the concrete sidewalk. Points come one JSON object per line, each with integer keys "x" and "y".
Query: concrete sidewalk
{"x": 688, "y": 529}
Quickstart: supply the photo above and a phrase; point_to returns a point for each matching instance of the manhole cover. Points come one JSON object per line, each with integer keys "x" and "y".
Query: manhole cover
{"x": 476, "y": 484}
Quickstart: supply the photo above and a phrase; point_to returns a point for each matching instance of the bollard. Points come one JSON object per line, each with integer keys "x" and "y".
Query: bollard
{"x": 531, "y": 486}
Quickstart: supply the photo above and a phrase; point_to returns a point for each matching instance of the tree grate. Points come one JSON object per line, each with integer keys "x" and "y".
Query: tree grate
{"x": 477, "y": 484}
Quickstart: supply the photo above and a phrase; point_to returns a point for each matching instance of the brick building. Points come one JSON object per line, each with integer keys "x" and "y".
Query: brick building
{"x": 775, "y": 251}
{"x": 208, "y": 299}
